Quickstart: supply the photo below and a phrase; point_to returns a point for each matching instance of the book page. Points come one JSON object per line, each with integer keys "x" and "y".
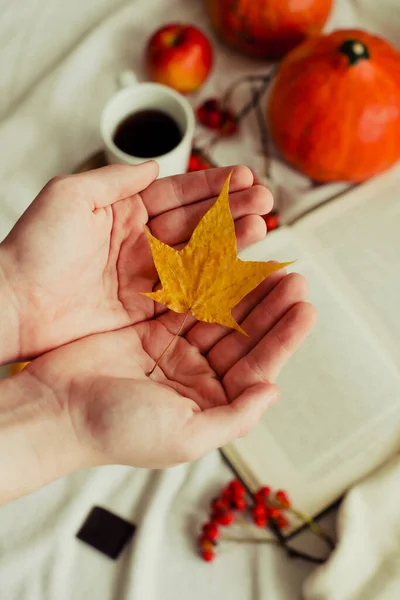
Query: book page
{"x": 359, "y": 235}
{"x": 338, "y": 416}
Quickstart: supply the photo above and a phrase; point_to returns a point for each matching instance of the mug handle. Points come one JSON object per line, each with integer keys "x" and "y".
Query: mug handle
{"x": 126, "y": 79}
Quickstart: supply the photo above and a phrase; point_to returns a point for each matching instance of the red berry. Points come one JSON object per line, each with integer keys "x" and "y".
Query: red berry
{"x": 193, "y": 163}
{"x": 220, "y": 504}
{"x": 275, "y": 513}
{"x": 214, "y": 120}
{"x": 203, "y": 538}
{"x": 259, "y": 498}
{"x": 261, "y": 521}
{"x": 209, "y": 114}
{"x": 211, "y": 531}
{"x": 283, "y": 499}
{"x": 207, "y": 545}
{"x": 272, "y": 220}
{"x": 238, "y": 504}
{"x": 237, "y": 488}
{"x": 265, "y": 491}
{"x": 228, "y": 125}
{"x": 226, "y": 518}
{"x": 208, "y": 555}
{"x": 201, "y": 113}
{"x": 259, "y": 511}
{"x": 210, "y": 105}
{"x": 281, "y": 522}
{"x": 227, "y": 493}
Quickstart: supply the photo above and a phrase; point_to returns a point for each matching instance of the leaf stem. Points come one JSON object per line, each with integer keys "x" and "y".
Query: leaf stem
{"x": 169, "y": 344}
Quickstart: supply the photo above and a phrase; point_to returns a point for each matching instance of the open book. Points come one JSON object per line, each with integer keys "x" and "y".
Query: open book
{"x": 339, "y": 413}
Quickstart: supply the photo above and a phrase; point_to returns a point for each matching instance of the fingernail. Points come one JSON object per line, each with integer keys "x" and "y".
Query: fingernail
{"x": 271, "y": 398}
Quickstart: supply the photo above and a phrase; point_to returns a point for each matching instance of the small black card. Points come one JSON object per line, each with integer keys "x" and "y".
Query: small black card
{"x": 106, "y": 532}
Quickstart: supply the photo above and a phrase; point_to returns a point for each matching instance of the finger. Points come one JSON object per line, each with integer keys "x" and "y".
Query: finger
{"x": 218, "y": 426}
{"x": 173, "y": 192}
{"x": 263, "y": 363}
{"x": 205, "y": 335}
{"x": 289, "y": 291}
{"x": 104, "y": 186}
{"x": 249, "y": 230}
{"x": 177, "y": 225}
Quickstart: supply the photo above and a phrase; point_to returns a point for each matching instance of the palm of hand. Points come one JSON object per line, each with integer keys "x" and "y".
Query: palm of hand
{"x": 207, "y": 375}
{"x": 102, "y": 383}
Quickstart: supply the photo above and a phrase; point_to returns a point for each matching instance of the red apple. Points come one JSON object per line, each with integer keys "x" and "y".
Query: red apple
{"x": 179, "y": 55}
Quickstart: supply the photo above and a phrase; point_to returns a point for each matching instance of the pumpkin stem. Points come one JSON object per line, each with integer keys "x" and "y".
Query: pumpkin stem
{"x": 354, "y": 50}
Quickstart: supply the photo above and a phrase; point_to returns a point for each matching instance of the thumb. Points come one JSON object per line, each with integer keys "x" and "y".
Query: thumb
{"x": 221, "y": 425}
{"x": 117, "y": 182}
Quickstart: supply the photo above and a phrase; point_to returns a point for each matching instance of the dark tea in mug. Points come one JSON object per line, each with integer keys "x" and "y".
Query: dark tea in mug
{"x": 147, "y": 133}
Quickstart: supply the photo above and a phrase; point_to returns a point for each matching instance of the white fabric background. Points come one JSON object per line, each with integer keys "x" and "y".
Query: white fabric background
{"x": 58, "y": 65}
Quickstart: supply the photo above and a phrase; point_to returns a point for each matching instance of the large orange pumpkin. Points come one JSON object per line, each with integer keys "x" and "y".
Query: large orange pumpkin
{"x": 334, "y": 108}
{"x": 267, "y": 28}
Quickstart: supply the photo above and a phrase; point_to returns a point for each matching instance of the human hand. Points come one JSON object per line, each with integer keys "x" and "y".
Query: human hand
{"x": 97, "y": 405}
{"x": 211, "y": 387}
{"x": 77, "y": 259}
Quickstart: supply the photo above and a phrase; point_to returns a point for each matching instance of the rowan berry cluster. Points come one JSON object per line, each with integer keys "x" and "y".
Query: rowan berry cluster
{"x": 264, "y": 507}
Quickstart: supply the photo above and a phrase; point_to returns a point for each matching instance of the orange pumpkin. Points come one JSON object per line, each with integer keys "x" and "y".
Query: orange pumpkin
{"x": 267, "y": 28}
{"x": 334, "y": 108}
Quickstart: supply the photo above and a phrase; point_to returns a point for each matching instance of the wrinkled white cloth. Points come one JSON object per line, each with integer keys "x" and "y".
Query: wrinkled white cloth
{"x": 36, "y": 35}
{"x": 366, "y": 562}
{"x": 58, "y": 63}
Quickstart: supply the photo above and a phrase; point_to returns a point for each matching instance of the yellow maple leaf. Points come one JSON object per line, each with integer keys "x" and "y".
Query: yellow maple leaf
{"x": 206, "y": 277}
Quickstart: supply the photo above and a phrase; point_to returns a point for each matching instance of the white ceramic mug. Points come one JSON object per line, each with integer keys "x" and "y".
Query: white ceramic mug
{"x": 135, "y": 96}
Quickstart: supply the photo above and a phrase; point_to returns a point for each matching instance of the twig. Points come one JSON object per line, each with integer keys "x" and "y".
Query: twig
{"x": 292, "y": 553}
{"x": 247, "y": 108}
{"x": 249, "y": 540}
{"x": 235, "y": 85}
{"x": 280, "y": 541}
{"x": 255, "y": 99}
